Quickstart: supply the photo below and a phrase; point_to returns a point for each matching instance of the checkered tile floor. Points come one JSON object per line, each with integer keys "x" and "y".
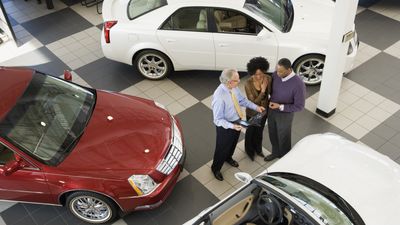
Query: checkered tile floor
{"x": 67, "y": 37}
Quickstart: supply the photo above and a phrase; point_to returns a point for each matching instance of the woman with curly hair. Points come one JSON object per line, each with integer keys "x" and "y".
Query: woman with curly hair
{"x": 258, "y": 88}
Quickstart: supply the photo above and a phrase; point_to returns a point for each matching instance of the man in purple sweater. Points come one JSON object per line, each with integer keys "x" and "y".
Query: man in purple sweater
{"x": 287, "y": 97}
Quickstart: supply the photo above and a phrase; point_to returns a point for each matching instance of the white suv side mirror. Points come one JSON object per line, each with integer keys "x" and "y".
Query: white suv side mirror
{"x": 243, "y": 177}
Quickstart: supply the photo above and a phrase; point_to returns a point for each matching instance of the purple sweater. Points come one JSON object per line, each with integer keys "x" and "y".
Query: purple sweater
{"x": 291, "y": 93}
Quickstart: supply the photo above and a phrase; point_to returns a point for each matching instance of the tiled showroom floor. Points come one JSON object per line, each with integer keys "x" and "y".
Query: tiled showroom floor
{"x": 67, "y": 37}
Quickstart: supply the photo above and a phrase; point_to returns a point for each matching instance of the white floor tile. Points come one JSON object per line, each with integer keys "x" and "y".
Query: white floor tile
{"x": 363, "y": 105}
{"x": 356, "y": 131}
{"x": 367, "y": 122}
{"x": 218, "y": 187}
{"x": 389, "y": 106}
{"x": 188, "y": 101}
{"x": 352, "y": 113}
{"x": 379, "y": 114}
{"x": 175, "y": 108}
{"x": 340, "y": 121}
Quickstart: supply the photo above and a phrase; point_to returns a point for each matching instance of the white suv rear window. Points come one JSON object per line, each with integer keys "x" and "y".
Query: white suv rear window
{"x": 140, "y": 7}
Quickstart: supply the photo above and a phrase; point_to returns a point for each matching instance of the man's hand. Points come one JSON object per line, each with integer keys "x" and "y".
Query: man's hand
{"x": 260, "y": 109}
{"x": 237, "y": 127}
{"x": 274, "y": 105}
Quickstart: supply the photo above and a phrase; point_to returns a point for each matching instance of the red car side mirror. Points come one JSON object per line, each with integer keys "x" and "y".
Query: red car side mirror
{"x": 11, "y": 166}
{"x": 67, "y": 75}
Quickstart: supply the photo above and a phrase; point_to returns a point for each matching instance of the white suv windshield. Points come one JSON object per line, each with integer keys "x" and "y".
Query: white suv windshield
{"x": 317, "y": 204}
{"x": 140, "y": 7}
{"x": 277, "y": 12}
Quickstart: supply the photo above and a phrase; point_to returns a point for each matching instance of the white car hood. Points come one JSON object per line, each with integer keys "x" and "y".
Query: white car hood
{"x": 312, "y": 17}
{"x": 366, "y": 179}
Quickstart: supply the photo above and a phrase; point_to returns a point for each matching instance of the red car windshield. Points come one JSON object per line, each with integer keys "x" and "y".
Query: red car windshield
{"x": 49, "y": 118}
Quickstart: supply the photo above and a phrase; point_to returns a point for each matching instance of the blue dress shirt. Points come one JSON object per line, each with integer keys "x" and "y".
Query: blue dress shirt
{"x": 223, "y": 108}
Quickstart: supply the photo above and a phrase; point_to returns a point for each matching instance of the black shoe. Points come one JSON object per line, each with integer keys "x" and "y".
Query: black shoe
{"x": 218, "y": 175}
{"x": 270, "y": 157}
{"x": 260, "y": 154}
{"x": 233, "y": 163}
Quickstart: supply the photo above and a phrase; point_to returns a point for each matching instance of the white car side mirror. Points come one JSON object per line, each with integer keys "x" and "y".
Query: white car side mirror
{"x": 264, "y": 34}
{"x": 243, "y": 177}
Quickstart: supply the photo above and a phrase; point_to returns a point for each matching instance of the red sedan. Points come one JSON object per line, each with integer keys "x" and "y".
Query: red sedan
{"x": 98, "y": 153}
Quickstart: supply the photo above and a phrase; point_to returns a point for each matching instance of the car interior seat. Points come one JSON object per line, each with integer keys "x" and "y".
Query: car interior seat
{"x": 226, "y": 23}
{"x": 202, "y": 22}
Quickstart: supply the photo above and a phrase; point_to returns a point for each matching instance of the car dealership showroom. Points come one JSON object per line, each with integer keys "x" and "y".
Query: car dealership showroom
{"x": 132, "y": 112}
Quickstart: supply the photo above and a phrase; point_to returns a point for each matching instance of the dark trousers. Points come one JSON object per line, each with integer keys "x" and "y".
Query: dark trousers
{"x": 225, "y": 147}
{"x": 253, "y": 138}
{"x": 280, "y": 132}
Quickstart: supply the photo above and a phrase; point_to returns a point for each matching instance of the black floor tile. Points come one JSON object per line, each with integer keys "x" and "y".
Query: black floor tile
{"x": 24, "y": 221}
{"x": 367, "y": 3}
{"x": 71, "y": 2}
{"x": 40, "y": 59}
{"x": 44, "y": 214}
{"x": 393, "y": 122}
{"x": 391, "y": 150}
{"x": 396, "y": 140}
{"x": 308, "y": 123}
{"x": 311, "y": 90}
{"x": 188, "y": 198}
{"x": 109, "y": 75}
{"x": 16, "y": 213}
{"x": 373, "y": 140}
{"x": 189, "y": 190}
{"x": 199, "y": 135}
{"x": 56, "y": 26}
{"x": 56, "y": 221}
{"x": 169, "y": 217}
{"x": 200, "y": 84}
{"x": 377, "y": 30}
{"x": 140, "y": 217}
{"x": 376, "y": 73}
{"x": 384, "y": 131}
{"x": 100, "y": 26}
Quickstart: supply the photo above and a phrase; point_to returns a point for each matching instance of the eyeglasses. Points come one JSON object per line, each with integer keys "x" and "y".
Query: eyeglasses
{"x": 236, "y": 80}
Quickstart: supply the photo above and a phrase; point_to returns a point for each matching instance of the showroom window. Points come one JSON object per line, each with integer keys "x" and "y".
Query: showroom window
{"x": 187, "y": 19}
{"x": 139, "y": 7}
{"x": 6, "y": 154}
{"x": 229, "y": 21}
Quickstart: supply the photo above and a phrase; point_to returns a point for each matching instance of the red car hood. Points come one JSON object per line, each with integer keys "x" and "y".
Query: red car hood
{"x": 120, "y": 130}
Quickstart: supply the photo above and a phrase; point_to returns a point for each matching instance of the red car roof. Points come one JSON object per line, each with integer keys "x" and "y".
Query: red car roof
{"x": 13, "y": 82}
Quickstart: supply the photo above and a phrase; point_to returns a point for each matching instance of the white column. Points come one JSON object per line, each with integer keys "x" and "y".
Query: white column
{"x": 342, "y": 23}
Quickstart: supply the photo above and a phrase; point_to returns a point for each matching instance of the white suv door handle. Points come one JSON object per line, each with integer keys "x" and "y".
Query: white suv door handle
{"x": 171, "y": 40}
{"x": 223, "y": 45}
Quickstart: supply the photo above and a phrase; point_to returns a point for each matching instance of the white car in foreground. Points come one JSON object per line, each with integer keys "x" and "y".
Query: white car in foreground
{"x": 159, "y": 36}
{"x": 324, "y": 180}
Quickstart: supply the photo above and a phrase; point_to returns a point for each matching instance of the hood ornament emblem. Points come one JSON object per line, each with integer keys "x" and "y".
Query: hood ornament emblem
{"x": 146, "y": 150}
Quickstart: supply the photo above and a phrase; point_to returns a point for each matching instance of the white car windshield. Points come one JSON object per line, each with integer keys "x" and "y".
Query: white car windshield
{"x": 317, "y": 204}
{"x": 277, "y": 12}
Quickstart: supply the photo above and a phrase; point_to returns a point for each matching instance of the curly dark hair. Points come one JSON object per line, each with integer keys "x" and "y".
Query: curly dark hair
{"x": 257, "y": 63}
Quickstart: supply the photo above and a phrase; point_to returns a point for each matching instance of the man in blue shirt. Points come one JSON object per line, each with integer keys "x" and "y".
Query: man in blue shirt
{"x": 226, "y": 103}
